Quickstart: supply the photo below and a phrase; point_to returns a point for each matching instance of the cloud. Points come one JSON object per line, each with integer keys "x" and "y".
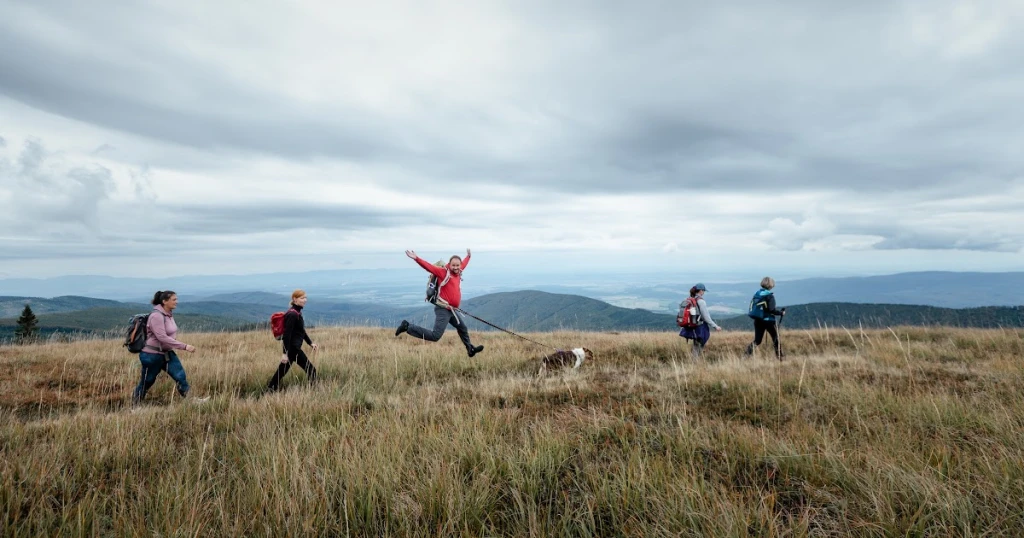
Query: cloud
{"x": 44, "y": 189}
{"x": 786, "y": 234}
{"x": 655, "y": 109}
{"x": 729, "y": 128}
{"x": 949, "y": 241}
{"x": 287, "y": 216}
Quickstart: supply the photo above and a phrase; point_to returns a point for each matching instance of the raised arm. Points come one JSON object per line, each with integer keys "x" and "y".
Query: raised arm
{"x": 431, "y": 268}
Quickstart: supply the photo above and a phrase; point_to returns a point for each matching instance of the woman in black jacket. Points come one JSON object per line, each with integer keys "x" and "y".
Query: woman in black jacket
{"x": 763, "y": 309}
{"x": 291, "y": 341}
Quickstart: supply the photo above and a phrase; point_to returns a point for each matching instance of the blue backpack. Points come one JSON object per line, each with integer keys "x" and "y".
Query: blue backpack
{"x": 759, "y": 304}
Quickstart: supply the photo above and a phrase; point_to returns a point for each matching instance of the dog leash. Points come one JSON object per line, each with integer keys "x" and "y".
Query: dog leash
{"x": 485, "y": 322}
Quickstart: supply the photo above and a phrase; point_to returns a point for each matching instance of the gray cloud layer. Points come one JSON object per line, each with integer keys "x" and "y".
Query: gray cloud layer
{"x": 664, "y": 94}
{"x": 869, "y": 108}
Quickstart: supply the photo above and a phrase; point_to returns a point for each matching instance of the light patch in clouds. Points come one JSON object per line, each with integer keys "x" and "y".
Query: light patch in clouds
{"x": 233, "y": 133}
{"x": 45, "y": 190}
{"x": 786, "y": 234}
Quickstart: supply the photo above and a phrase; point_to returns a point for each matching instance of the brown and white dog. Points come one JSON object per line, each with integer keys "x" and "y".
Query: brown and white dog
{"x": 565, "y": 359}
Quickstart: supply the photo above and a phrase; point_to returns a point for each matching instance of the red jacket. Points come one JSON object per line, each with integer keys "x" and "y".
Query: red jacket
{"x": 451, "y": 292}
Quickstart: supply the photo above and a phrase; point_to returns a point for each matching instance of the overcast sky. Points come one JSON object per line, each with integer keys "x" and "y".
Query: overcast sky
{"x": 166, "y": 137}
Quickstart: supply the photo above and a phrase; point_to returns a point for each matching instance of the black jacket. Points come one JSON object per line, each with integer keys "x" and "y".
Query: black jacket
{"x": 769, "y": 308}
{"x": 294, "y": 330}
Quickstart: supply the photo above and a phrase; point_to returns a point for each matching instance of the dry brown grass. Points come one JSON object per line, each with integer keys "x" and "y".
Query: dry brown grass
{"x": 902, "y": 432}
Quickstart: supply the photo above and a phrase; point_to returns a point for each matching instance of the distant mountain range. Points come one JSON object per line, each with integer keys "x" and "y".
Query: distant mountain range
{"x": 401, "y": 289}
{"x": 520, "y": 311}
{"x": 525, "y": 311}
{"x": 942, "y": 289}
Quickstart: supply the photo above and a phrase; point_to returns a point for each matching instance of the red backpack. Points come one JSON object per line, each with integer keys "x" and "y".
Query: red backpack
{"x": 277, "y": 323}
{"x": 689, "y": 313}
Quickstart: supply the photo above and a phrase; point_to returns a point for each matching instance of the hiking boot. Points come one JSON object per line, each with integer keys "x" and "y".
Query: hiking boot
{"x": 474, "y": 350}
{"x": 402, "y": 328}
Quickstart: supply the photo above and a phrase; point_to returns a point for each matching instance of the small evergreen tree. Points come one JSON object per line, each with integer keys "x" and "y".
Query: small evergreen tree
{"x": 28, "y": 326}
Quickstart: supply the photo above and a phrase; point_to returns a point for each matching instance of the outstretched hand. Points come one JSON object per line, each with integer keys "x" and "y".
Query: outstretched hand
{"x": 411, "y": 254}
{"x": 468, "y": 253}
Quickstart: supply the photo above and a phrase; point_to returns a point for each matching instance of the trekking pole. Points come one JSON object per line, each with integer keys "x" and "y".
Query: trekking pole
{"x": 778, "y": 329}
{"x": 503, "y": 330}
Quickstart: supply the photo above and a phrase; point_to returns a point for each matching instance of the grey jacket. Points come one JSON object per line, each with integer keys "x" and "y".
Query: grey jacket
{"x": 705, "y": 314}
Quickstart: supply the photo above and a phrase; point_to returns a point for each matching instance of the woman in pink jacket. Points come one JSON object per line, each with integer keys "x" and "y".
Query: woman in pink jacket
{"x": 158, "y": 354}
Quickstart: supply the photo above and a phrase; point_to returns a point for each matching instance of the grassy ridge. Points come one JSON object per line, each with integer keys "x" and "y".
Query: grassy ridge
{"x": 909, "y": 432}
{"x": 875, "y": 316}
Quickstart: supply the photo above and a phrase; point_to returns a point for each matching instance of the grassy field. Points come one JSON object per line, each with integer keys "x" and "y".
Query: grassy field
{"x": 908, "y": 432}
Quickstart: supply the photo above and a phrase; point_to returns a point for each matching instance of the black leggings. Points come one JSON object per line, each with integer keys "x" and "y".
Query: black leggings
{"x": 760, "y": 327}
{"x": 295, "y": 355}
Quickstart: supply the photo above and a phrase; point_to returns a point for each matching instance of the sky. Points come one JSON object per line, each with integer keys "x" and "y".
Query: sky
{"x": 163, "y": 138}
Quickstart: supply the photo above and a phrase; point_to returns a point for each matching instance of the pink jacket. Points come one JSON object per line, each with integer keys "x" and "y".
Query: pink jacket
{"x": 161, "y": 330}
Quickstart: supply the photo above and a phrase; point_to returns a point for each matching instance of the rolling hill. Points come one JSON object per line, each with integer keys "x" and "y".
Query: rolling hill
{"x": 851, "y": 315}
{"x": 113, "y": 318}
{"x": 542, "y": 311}
{"x": 530, "y": 311}
{"x": 12, "y": 306}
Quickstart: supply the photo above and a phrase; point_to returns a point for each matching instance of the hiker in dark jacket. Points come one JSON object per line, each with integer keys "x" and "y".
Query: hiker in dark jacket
{"x": 763, "y": 309}
{"x": 701, "y": 333}
{"x": 291, "y": 343}
{"x": 161, "y": 342}
{"x": 449, "y": 278}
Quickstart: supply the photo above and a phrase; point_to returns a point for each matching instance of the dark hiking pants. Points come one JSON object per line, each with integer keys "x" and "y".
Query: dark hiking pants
{"x": 442, "y": 317}
{"x": 294, "y": 355}
{"x": 760, "y": 327}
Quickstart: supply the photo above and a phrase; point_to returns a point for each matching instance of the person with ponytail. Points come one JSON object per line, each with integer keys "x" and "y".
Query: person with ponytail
{"x": 161, "y": 342}
{"x": 294, "y": 335}
{"x": 702, "y": 332}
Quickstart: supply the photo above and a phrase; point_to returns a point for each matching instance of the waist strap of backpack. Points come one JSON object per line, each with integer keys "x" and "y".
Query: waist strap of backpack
{"x": 444, "y": 304}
